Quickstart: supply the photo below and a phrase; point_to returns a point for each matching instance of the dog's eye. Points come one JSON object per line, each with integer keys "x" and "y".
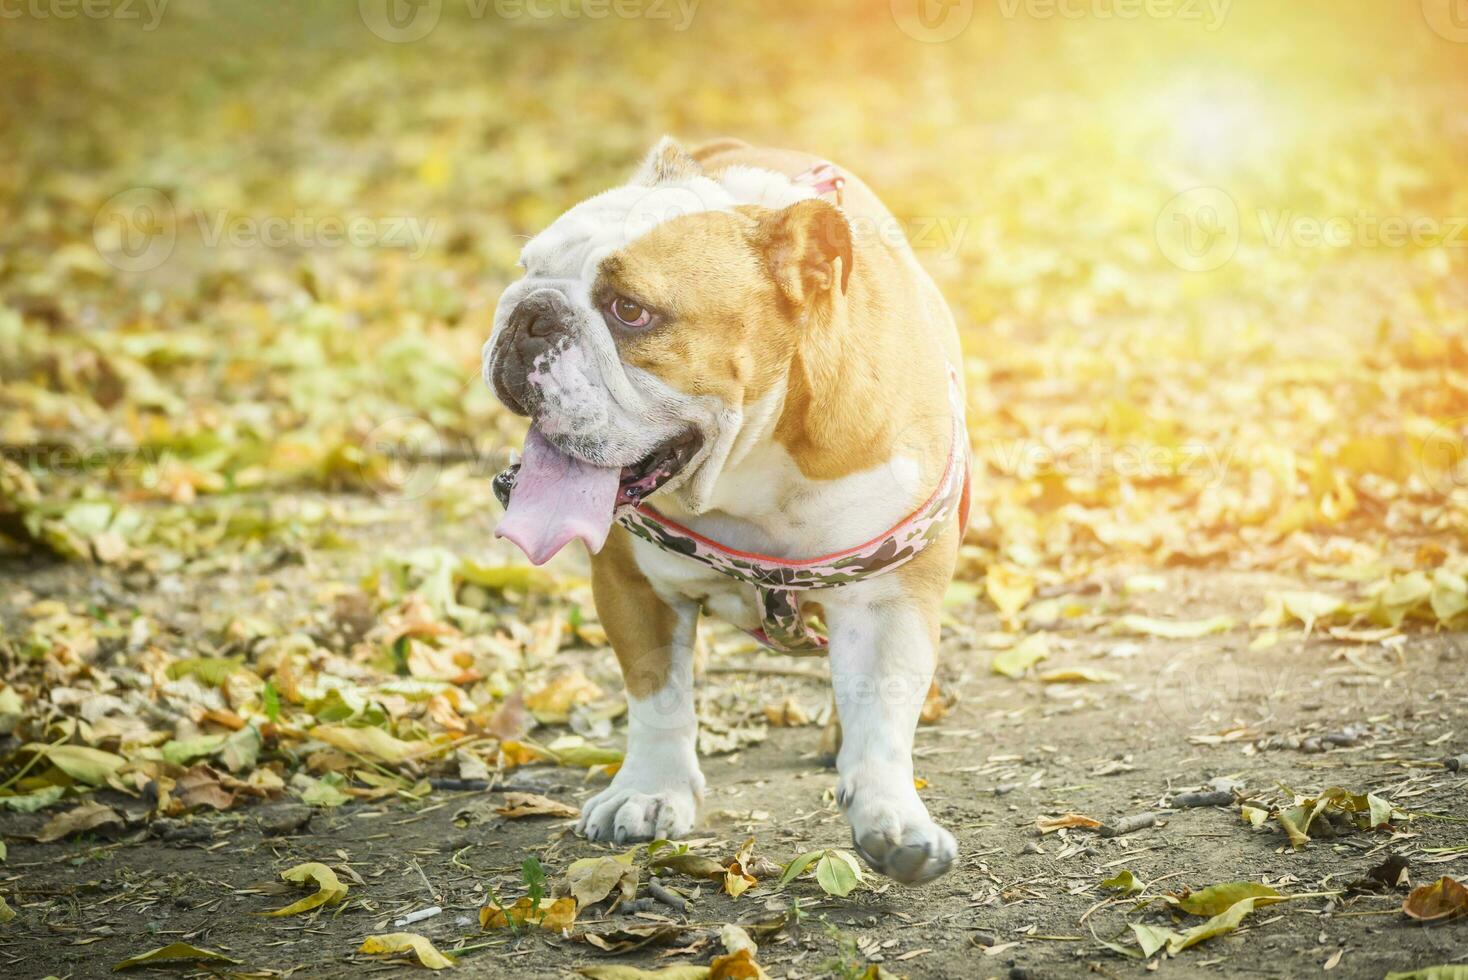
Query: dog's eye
{"x": 629, "y": 313}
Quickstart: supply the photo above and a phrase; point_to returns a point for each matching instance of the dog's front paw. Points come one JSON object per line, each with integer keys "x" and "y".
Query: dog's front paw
{"x": 641, "y": 809}
{"x": 893, "y": 833}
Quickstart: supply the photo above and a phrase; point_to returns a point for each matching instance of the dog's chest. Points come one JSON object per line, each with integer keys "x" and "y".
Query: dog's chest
{"x": 784, "y": 516}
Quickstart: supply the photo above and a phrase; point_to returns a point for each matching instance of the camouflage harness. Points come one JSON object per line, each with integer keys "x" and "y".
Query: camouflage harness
{"x": 779, "y": 582}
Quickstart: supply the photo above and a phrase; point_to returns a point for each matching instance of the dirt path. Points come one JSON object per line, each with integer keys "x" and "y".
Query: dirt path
{"x": 1307, "y": 714}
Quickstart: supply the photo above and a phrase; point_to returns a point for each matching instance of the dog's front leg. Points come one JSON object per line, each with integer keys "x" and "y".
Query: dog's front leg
{"x": 883, "y": 653}
{"x": 657, "y": 791}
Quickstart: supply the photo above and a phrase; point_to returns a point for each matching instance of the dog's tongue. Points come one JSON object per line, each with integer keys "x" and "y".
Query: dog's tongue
{"x": 558, "y": 498}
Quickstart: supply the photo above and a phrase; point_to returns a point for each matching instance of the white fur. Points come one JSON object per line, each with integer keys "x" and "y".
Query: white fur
{"x": 657, "y": 791}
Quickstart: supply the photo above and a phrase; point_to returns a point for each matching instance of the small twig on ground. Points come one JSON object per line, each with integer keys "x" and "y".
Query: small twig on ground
{"x": 1210, "y": 798}
{"x": 1128, "y": 825}
{"x": 667, "y": 897}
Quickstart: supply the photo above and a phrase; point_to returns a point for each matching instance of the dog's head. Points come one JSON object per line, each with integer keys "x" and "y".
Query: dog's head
{"x": 649, "y": 320}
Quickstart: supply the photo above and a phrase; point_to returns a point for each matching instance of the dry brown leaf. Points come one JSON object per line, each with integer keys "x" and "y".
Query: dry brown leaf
{"x": 1068, "y": 821}
{"x": 533, "y": 805}
{"x": 91, "y": 815}
{"x": 1438, "y": 901}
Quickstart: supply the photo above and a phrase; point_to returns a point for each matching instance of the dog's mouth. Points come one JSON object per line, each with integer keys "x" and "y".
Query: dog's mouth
{"x": 666, "y": 461}
{"x": 552, "y": 498}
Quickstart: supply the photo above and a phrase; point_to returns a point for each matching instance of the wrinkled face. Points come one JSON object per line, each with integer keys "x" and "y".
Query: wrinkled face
{"x": 647, "y": 319}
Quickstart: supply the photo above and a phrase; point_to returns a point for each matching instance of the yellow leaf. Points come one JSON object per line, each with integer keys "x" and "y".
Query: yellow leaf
{"x": 1217, "y": 899}
{"x": 1009, "y": 588}
{"x": 1077, "y": 675}
{"x": 619, "y": 972}
{"x": 738, "y": 965}
{"x": 85, "y": 765}
{"x": 173, "y": 952}
{"x": 407, "y": 942}
{"x": 1028, "y": 652}
{"x": 1176, "y": 629}
{"x": 555, "y": 916}
{"x": 552, "y": 704}
{"x": 370, "y": 743}
{"x": 329, "y": 889}
{"x": 590, "y": 880}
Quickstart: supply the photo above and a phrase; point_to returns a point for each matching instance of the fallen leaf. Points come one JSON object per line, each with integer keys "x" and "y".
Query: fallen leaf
{"x": 1068, "y": 821}
{"x": 1217, "y": 899}
{"x": 693, "y": 865}
{"x": 370, "y": 743}
{"x": 1079, "y": 675}
{"x": 1175, "y": 629}
{"x": 532, "y": 805}
{"x": 787, "y": 714}
{"x": 554, "y": 916}
{"x": 1124, "y": 882}
{"x": 91, "y": 815}
{"x": 739, "y": 965}
{"x": 1438, "y": 901}
{"x": 407, "y": 942}
{"x": 6, "y": 912}
{"x": 1225, "y": 922}
{"x": 1151, "y": 938}
{"x": 80, "y": 762}
{"x": 591, "y": 880}
{"x": 629, "y": 938}
{"x": 200, "y": 786}
{"x": 837, "y": 872}
{"x": 1009, "y": 588}
{"x": 1024, "y": 655}
{"x": 681, "y": 972}
{"x": 329, "y": 890}
{"x": 173, "y": 952}
{"x": 552, "y": 704}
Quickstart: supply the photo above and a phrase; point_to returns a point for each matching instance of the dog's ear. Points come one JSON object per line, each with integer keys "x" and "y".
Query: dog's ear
{"x": 666, "y": 162}
{"x": 808, "y": 249}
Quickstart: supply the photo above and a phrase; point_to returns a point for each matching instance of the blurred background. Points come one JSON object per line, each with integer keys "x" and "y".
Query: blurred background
{"x": 1210, "y": 263}
{"x": 1208, "y": 256}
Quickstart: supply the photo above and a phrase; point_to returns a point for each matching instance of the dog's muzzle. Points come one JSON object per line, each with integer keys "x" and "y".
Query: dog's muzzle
{"x": 536, "y": 328}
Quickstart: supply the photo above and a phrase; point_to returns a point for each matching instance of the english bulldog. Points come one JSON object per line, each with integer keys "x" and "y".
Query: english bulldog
{"x": 746, "y": 398}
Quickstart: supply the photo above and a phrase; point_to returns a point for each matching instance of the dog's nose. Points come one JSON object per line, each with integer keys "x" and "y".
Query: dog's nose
{"x": 539, "y": 323}
{"x": 531, "y": 330}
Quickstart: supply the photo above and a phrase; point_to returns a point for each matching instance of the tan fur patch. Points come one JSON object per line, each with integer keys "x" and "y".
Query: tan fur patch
{"x": 866, "y": 370}
{"x": 642, "y": 628}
